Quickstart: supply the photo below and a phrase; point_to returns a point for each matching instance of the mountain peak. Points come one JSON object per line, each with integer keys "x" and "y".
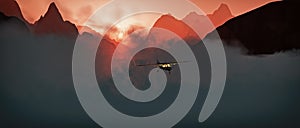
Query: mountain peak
{"x": 202, "y": 23}
{"x": 221, "y": 15}
{"x": 223, "y": 10}
{"x": 53, "y": 12}
{"x": 223, "y": 5}
{"x": 53, "y": 23}
{"x": 168, "y": 17}
{"x": 192, "y": 14}
{"x": 174, "y": 25}
{"x": 53, "y": 8}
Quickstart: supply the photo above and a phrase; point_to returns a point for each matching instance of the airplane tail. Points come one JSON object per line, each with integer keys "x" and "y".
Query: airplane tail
{"x": 157, "y": 61}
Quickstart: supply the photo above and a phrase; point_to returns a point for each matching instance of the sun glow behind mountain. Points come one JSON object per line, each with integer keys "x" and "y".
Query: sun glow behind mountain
{"x": 122, "y": 16}
{"x": 121, "y": 29}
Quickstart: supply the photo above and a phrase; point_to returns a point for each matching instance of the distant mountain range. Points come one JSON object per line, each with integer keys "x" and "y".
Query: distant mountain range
{"x": 183, "y": 28}
{"x": 265, "y": 30}
{"x": 51, "y": 23}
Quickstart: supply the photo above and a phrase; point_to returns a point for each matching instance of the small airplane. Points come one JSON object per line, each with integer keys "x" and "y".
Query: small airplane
{"x": 168, "y": 66}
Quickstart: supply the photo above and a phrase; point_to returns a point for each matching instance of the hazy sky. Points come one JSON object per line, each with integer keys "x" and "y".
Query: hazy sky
{"x": 77, "y": 12}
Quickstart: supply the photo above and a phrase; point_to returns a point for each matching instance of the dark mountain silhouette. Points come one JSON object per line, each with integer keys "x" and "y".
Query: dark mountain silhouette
{"x": 174, "y": 25}
{"x": 53, "y": 23}
{"x": 218, "y": 17}
{"x": 183, "y": 28}
{"x": 221, "y": 15}
{"x": 295, "y": 1}
{"x": 199, "y": 22}
{"x": 266, "y": 30}
{"x": 11, "y": 8}
{"x": 11, "y": 25}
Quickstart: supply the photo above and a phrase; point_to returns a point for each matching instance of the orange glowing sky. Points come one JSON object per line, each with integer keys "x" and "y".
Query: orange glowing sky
{"x": 78, "y": 12}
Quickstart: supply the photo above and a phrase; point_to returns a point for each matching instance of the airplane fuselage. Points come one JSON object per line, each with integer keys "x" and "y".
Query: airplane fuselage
{"x": 165, "y": 66}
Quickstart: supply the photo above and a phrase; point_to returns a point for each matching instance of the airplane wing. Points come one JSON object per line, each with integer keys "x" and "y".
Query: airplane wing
{"x": 174, "y": 63}
{"x": 148, "y": 65}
